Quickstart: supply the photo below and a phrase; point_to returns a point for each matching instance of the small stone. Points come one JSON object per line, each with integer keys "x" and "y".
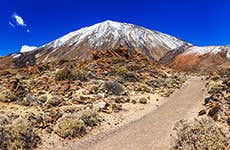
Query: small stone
{"x": 119, "y": 100}
{"x": 143, "y": 101}
{"x": 116, "y": 108}
{"x": 41, "y": 92}
{"x": 49, "y": 129}
{"x": 93, "y": 89}
{"x": 148, "y": 97}
{"x": 81, "y": 99}
{"x": 101, "y": 105}
{"x": 213, "y": 111}
{"x": 101, "y": 95}
{"x": 134, "y": 101}
{"x": 207, "y": 100}
{"x": 202, "y": 112}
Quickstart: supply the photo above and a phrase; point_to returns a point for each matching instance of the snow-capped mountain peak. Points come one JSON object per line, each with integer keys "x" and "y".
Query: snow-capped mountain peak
{"x": 107, "y": 35}
{"x": 112, "y": 32}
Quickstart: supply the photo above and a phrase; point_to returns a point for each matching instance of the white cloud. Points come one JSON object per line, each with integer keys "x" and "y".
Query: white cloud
{"x": 27, "y": 48}
{"x": 19, "y": 20}
{"x": 11, "y": 24}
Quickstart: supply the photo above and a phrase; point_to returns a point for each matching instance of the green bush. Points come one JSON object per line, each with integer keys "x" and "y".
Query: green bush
{"x": 122, "y": 71}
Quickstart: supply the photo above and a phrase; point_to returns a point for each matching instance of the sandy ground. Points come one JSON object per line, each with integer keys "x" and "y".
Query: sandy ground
{"x": 151, "y": 131}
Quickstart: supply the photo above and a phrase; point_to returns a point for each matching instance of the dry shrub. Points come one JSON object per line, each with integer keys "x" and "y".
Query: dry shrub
{"x": 201, "y": 134}
{"x": 75, "y": 125}
{"x": 81, "y": 74}
{"x": 19, "y": 135}
{"x": 64, "y": 74}
{"x": 70, "y": 127}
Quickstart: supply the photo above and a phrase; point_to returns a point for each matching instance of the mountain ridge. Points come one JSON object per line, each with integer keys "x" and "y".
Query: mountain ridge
{"x": 106, "y": 35}
{"x": 111, "y": 35}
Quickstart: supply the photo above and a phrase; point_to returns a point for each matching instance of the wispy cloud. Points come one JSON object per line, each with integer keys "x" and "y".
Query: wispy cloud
{"x": 11, "y": 24}
{"x": 19, "y": 20}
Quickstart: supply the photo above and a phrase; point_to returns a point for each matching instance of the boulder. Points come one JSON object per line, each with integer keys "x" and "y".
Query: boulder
{"x": 202, "y": 112}
{"x": 30, "y": 100}
{"x": 54, "y": 101}
{"x": 213, "y": 111}
{"x": 113, "y": 87}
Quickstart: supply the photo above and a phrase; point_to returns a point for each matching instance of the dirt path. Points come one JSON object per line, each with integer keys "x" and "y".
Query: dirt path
{"x": 153, "y": 130}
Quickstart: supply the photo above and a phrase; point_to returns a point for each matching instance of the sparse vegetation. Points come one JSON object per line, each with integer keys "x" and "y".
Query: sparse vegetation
{"x": 81, "y": 74}
{"x": 75, "y": 125}
{"x": 70, "y": 127}
{"x": 18, "y": 135}
{"x": 202, "y": 134}
{"x": 122, "y": 71}
{"x": 7, "y": 96}
{"x": 52, "y": 98}
{"x": 64, "y": 74}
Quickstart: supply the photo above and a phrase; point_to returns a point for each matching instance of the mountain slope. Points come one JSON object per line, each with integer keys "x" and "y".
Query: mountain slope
{"x": 107, "y": 35}
{"x": 202, "y": 59}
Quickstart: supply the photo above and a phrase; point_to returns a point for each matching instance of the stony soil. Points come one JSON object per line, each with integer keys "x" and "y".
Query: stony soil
{"x": 67, "y": 100}
{"x": 216, "y": 104}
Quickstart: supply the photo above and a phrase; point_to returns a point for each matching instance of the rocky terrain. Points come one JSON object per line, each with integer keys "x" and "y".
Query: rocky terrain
{"x": 202, "y": 60}
{"x": 216, "y": 104}
{"x": 211, "y": 127}
{"x": 67, "y": 99}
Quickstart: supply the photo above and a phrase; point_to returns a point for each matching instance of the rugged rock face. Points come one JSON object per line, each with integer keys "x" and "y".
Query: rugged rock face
{"x": 107, "y": 35}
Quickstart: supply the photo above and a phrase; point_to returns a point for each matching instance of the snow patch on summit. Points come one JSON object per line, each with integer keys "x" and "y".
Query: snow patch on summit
{"x": 208, "y": 49}
{"x": 27, "y": 48}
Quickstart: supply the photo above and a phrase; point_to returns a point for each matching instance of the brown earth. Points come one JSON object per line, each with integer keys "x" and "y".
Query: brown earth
{"x": 199, "y": 63}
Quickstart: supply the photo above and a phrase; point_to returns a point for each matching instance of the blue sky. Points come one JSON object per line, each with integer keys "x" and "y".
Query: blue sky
{"x": 36, "y": 22}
